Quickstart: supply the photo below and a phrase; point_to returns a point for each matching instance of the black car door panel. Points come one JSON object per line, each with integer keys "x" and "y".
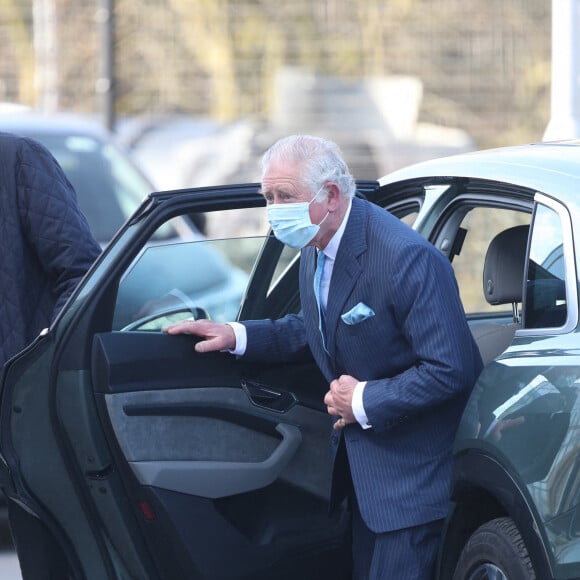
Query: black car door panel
{"x": 192, "y": 430}
{"x": 138, "y": 361}
{"x": 214, "y": 479}
{"x": 181, "y": 429}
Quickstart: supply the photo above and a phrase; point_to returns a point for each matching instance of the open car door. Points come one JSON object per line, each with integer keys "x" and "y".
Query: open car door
{"x": 147, "y": 460}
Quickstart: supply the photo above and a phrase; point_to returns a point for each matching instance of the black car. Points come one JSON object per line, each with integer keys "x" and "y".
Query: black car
{"x": 147, "y": 460}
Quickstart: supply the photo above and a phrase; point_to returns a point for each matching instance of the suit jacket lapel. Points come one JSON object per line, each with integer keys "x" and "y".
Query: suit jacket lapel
{"x": 347, "y": 269}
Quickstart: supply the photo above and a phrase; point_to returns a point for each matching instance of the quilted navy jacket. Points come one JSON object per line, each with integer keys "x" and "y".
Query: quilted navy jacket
{"x": 46, "y": 242}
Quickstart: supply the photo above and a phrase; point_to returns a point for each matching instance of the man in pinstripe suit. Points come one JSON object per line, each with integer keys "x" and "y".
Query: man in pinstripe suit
{"x": 390, "y": 336}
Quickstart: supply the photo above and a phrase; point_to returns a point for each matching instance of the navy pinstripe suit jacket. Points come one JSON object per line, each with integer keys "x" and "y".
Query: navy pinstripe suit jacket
{"x": 416, "y": 354}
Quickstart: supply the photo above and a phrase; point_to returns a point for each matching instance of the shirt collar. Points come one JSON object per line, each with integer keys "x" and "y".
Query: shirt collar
{"x": 332, "y": 247}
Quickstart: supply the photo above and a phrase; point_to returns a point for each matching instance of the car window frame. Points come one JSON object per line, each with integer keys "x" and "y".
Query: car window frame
{"x": 460, "y": 197}
{"x": 569, "y": 269}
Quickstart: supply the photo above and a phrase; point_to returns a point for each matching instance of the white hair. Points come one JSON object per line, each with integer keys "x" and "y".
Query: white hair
{"x": 320, "y": 159}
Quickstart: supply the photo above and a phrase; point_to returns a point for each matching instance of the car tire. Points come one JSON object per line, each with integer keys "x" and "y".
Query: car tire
{"x": 495, "y": 551}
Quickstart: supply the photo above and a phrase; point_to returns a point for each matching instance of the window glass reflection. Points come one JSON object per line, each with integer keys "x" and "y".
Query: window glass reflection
{"x": 546, "y": 286}
{"x": 206, "y": 279}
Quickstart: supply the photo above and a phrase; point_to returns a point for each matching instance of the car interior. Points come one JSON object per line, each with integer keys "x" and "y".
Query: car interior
{"x": 503, "y": 280}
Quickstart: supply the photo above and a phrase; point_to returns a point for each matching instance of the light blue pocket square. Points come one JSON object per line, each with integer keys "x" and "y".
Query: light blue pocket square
{"x": 357, "y": 314}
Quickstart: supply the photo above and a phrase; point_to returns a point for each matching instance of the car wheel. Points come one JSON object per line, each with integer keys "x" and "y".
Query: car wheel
{"x": 495, "y": 551}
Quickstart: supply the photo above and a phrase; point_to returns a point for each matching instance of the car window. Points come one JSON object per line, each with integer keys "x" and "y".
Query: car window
{"x": 545, "y": 298}
{"x": 479, "y": 226}
{"x": 287, "y": 258}
{"x": 173, "y": 281}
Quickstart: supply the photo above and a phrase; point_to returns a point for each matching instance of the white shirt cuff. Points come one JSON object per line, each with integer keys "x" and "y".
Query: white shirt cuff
{"x": 357, "y": 405}
{"x": 241, "y": 338}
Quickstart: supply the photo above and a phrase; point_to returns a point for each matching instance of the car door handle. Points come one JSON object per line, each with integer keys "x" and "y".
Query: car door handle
{"x": 268, "y": 398}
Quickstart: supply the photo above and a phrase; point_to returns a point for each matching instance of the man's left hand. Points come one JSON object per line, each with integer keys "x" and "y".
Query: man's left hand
{"x": 339, "y": 400}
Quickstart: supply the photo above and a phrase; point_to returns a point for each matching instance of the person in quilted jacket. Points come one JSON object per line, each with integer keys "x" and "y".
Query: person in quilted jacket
{"x": 47, "y": 247}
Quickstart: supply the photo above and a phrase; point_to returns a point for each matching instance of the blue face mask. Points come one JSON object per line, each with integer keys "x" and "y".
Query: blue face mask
{"x": 291, "y": 223}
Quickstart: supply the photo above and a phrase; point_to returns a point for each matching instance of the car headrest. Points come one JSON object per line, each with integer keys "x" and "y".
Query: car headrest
{"x": 504, "y": 267}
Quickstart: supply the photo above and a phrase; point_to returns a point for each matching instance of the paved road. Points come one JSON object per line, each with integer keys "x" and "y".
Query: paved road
{"x": 9, "y": 568}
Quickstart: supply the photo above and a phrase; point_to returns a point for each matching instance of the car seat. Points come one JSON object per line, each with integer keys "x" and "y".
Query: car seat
{"x": 503, "y": 274}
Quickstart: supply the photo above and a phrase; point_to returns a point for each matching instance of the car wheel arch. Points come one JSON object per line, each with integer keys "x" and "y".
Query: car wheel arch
{"x": 478, "y": 499}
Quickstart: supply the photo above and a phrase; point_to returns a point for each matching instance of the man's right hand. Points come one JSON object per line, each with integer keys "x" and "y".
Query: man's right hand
{"x": 218, "y": 335}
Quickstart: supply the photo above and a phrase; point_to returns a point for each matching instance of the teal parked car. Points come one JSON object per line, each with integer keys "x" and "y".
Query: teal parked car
{"x": 145, "y": 460}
